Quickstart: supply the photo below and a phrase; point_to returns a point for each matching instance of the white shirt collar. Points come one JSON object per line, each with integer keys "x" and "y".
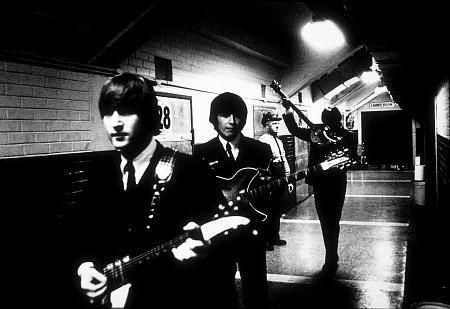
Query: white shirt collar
{"x": 140, "y": 163}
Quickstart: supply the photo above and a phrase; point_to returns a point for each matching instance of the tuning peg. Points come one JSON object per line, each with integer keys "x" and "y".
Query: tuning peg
{"x": 230, "y": 203}
{"x": 226, "y": 213}
{"x": 216, "y": 216}
{"x": 238, "y": 198}
{"x": 225, "y": 233}
{"x": 221, "y": 207}
{"x": 255, "y": 232}
{"x": 236, "y": 208}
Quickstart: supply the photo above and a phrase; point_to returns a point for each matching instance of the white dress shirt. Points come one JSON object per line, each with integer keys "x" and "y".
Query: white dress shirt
{"x": 234, "y": 145}
{"x": 278, "y": 153}
{"x": 140, "y": 163}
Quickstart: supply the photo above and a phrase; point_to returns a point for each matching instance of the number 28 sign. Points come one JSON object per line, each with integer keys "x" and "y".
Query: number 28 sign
{"x": 175, "y": 114}
{"x": 164, "y": 114}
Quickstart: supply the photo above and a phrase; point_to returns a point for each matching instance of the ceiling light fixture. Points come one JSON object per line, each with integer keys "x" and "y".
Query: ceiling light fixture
{"x": 322, "y": 33}
{"x": 372, "y": 76}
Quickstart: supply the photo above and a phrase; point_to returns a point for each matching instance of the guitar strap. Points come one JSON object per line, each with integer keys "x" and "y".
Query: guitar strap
{"x": 163, "y": 174}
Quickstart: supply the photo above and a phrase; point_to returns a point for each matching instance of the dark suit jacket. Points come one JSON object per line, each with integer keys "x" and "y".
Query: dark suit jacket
{"x": 252, "y": 153}
{"x": 243, "y": 248}
{"x": 113, "y": 224}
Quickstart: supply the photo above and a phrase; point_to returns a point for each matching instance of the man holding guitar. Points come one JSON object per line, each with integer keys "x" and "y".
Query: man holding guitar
{"x": 227, "y": 154}
{"x": 144, "y": 199}
{"x": 329, "y": 187}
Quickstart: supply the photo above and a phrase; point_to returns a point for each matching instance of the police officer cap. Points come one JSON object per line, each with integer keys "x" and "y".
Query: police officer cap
{"x": 269, "y": 116}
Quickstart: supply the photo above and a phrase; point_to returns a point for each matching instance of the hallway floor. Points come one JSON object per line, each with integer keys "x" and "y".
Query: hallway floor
{"x": 372, "y": 248}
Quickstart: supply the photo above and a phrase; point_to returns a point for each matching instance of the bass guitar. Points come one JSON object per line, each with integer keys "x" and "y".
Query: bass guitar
{"x": 320, "y": 134}
{"x": 239, "y": 189}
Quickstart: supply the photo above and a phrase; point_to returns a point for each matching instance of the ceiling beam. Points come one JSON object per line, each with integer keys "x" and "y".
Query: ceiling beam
{"x": 122, "y": 33}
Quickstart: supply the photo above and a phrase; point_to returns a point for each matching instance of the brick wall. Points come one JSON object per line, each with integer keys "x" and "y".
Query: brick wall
{"x": 48, "y": 110}
{"x": 43, "y": 110}
{"x": 205, "y": 68}
{"x": 202, "y": 63}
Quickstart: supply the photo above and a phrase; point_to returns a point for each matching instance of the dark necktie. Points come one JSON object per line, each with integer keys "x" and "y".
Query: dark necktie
{"x": 229, "y": 152}
{"x": 131, "y": 182}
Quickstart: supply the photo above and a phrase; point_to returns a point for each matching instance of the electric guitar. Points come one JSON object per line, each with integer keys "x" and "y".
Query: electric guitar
{"x": 116, "y": 272}
{"x": 320, "y": 134}
{"x": 238, "y": 189}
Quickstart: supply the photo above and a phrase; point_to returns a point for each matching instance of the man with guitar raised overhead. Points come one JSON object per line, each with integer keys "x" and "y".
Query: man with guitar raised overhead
{"x": 236, "y": 161}
{"x": 141, "y": 201}
{"x": 329, "y": 186}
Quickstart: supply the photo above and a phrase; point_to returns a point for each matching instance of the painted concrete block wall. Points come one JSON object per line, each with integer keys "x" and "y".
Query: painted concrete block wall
{"x": 43, "y": 110}
{"x": 46, "y": 110}
{"x": 203, "y": 68}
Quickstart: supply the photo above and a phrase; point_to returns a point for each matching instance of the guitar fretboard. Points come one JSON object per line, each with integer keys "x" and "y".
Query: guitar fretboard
{"x": 116, "y": 273}
{"x": 276, "y": 184}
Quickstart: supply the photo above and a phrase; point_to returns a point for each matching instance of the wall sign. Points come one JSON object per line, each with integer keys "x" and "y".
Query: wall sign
{"x": 176, "y": 121}
{"x": 382, "y": 105}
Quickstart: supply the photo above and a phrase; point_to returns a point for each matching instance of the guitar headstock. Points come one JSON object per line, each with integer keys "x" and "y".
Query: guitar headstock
{"x": 339, "y": 159}
{"x": 277, "y": 88}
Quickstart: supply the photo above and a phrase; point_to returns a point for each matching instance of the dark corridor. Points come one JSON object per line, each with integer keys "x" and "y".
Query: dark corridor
{"x": 387, "y": 138}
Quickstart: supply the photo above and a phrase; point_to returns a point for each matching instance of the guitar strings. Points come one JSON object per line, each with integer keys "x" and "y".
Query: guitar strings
{"x": 117, "y": 270}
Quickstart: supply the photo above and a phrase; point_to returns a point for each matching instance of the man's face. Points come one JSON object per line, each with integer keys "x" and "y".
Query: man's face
{"x": 229, "y": 126}
{"x": 122, "y": 129}
{"x": 273, "y": 127}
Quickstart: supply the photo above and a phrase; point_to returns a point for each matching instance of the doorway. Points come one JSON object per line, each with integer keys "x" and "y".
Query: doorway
{"x": 387, "y": 138}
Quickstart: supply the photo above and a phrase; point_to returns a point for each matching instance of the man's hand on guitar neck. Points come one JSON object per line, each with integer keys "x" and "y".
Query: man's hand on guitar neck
{"x": 93, "y": 283}
{"x": 287, "y": 105}
{"x": 191, "y": 248}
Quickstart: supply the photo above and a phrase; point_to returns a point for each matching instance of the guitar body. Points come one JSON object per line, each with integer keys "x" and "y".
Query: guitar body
{"x": 317, "y": 135}
{"x": 236, "y": 188}
{"x": 242, "y": 180}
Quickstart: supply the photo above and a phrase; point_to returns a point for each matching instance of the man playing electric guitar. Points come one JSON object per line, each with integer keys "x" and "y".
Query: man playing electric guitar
{"x": 146, "y": 196}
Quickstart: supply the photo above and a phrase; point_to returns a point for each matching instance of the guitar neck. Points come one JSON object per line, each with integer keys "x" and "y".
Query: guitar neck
{"x": 117, "y": 272}
{"x": 277, "y": 184}
{"x": 278, "y": 90}
{"x": 301, "y": 115}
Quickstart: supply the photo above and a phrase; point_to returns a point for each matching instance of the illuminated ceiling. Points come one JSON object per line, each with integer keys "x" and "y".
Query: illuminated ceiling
{"x": 407, "y": 40}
